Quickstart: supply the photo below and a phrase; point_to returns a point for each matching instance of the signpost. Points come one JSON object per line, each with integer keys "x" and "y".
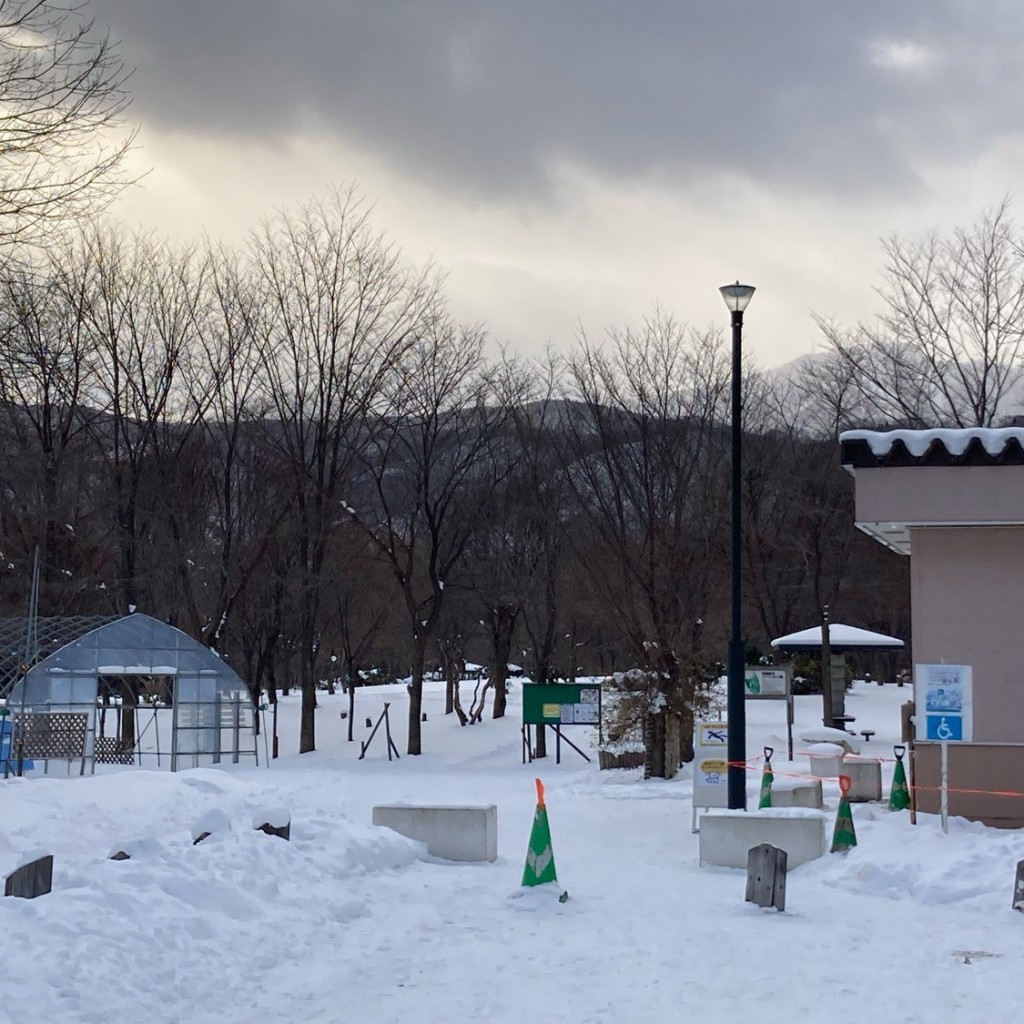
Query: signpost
{"x": 710, "y": 767}
{"x": 774, "y": 683}
{"x": 944, "y": 714}
{"x": 558, "y": 704}
{"x": 766, "y": 683}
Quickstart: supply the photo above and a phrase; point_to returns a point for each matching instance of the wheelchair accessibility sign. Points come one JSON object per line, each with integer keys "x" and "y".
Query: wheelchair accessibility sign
{"x": 945, "y": 728}
{"x": 943, "y": 695}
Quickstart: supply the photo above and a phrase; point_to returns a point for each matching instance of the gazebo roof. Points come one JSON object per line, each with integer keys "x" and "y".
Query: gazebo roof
{"x": 850, "y": 638}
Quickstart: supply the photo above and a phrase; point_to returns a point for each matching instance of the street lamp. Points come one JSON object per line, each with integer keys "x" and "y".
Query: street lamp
{"x": 737, "y": 296}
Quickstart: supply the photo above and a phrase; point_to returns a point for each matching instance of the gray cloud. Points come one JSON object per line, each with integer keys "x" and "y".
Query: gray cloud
{"x": 476, "y": 96}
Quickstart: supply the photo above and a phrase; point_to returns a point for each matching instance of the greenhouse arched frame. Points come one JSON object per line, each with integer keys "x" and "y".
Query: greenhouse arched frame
{"x": 82, "y": 691}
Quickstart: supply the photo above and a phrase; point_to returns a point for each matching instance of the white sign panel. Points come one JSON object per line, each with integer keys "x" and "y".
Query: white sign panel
{"x": 711, "y": 765}
{"x": 765, "y": 682}
{"x": 943, "y": 697}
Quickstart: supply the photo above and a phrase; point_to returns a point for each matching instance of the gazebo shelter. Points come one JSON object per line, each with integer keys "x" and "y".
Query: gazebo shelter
{"x": 841, "y": 639}
{"x": 953, "y": 500}
{"x": 81, "y": 691}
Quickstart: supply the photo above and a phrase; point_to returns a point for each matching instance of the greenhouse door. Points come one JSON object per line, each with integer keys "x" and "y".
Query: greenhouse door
{"x": 195, "y": 739}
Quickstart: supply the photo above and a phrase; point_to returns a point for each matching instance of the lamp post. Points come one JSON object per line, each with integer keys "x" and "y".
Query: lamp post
{"x": 736, "y": 298}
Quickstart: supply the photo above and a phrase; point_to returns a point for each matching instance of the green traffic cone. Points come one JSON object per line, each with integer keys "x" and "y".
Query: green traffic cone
{"x": 844, "y": 837}
{"x": 540, "y": 858}
{"x": 767, "y": 778}
{"x": 899, "y": 795}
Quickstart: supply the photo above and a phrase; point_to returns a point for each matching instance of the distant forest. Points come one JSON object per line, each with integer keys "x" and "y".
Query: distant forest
{"x": 294, "y": 453}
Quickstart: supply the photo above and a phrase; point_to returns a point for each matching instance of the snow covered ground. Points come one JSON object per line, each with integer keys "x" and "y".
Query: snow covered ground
{"x": 352, "y": 923}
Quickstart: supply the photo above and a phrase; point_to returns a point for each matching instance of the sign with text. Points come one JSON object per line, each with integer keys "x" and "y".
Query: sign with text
{"x": 710, "y": 764}
{"x": 944, "y": 703}
{"x": 561, "y": 703}
{"x": 766, "y": 683}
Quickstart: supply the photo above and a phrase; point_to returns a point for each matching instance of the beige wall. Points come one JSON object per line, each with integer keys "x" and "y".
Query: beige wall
{"x": 996, "y": 770}
{"x": 941, "y": 494}
{"x": 967, "y": 586}
{"x": 967, "y": 608}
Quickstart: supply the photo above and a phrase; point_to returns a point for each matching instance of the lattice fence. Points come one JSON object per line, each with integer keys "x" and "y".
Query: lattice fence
{"x": 56, "y": 736}
{"x": 109, "y": 750}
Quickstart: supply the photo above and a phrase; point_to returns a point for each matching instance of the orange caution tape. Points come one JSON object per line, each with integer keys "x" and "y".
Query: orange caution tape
{"x": 751, "y": 765}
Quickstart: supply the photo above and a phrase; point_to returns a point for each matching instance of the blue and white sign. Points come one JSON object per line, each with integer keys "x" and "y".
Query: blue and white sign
{"x": 943, "y": 696}
{"x": 710, "y": 765}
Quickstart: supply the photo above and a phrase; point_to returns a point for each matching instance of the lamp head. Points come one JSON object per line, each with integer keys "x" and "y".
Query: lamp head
{"x": 737, "y": 296}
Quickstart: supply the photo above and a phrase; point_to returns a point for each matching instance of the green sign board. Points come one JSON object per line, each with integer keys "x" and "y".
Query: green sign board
{"x": 561, "y": 704}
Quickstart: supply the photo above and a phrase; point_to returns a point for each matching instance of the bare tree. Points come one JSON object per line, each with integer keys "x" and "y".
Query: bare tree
{"x": 44, "y": 365}
{"x": 339, "y": 313}
{"x": 433, "y": 468}
{"x": 647, "y": 452}
{"x": 947, "y": 349}
{"x": 63, "y": 99}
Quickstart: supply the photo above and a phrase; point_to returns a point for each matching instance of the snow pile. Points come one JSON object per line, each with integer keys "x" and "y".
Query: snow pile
{"x": 825, "y": 750}
{"x": 176, "y": 927}
{"x": 348, "y": 922}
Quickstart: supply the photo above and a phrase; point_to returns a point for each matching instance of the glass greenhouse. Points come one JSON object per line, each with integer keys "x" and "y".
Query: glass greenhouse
{"x": 83, "y": 691}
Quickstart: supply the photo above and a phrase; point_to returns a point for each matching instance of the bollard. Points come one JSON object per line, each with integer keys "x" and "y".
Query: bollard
{"x": 766, "y": 876}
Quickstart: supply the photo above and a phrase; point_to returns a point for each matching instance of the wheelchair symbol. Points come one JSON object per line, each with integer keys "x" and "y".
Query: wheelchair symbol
{"x": 945, "y": 728}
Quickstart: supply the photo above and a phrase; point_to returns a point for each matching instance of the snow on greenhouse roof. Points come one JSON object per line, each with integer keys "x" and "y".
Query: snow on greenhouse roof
{"x": 51, "y": 634}
{"x": 134, "y": 644}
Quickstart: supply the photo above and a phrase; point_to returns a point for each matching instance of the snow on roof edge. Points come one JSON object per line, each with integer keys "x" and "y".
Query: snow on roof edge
{"x": 955, "y": 441}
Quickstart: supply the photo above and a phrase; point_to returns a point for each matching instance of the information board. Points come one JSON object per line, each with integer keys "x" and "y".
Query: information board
{"x": 561, "y": 704}
{"x": 710, "y": 765}
{"x": 766, "y": 683}
{"x": 943, "y": 695}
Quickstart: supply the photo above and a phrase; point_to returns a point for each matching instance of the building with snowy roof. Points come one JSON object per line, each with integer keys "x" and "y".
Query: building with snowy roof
{"x": 82, "y": 691}
{"x": 953, "y": 500}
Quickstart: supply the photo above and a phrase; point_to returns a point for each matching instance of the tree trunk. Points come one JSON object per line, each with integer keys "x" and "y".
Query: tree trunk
{"x": 502, "y": 624}
{"x": 415, "y": 746}
{"x": 307, "y": 721}
{"x": 351, "y": 706}
{"x": 542, "y": 742}
{"x": 457, "y": 705}
{"x": 654, "y": 746}
{"x": 500, "y": 695}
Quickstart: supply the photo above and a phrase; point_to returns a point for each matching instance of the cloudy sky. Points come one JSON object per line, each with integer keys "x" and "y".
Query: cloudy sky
{"x": 580, "y": 161}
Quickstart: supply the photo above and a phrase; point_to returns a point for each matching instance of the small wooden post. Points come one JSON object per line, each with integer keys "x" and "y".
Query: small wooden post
{"x": 1018, "y": 887}
{"x": 766, "y": 876}
{"x": 907, "y": 721}
{"x": 31, "y": 880}
{"x": 281, "y": 831}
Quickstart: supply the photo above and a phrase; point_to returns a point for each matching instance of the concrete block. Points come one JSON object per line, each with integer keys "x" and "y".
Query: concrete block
{"x": 865, "y": 778}
{"x": 467, "y": 833}
{"x": 826, "y": 760}
{"x": 726, "y": 837}
{"x": 797, "y": 793}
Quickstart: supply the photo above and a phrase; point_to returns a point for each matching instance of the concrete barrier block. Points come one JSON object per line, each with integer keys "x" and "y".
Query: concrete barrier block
{"x": 797, "y": 793}
{"x": 826, "y": 760}
{"x": 466, "y": 833}
{"x": 865, "y": 778}
{"x": 726, "y": 837}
